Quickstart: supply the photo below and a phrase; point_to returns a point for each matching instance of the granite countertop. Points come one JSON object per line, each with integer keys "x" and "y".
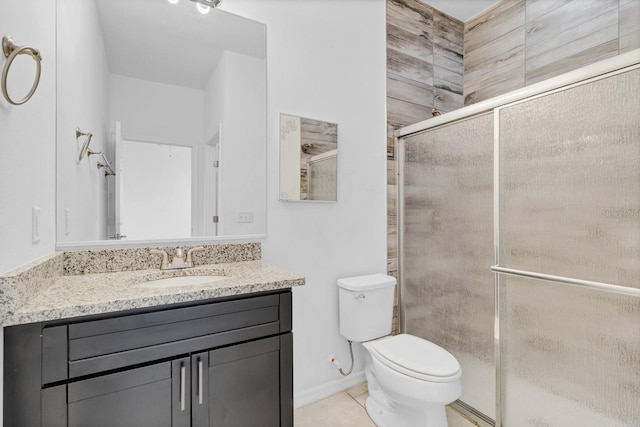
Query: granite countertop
{"x": 78, "y": 295}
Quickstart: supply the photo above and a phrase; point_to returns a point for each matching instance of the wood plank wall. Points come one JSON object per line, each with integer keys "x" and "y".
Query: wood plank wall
{"x": 424, "y": 62}
{"x": 629, "y": 25}
{"x": 424, "y": 71}
{"x": 519, "y": 42}
{"x": 510, "y": 45}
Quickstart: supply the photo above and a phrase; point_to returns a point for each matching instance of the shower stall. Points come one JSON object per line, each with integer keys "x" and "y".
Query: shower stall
{"x": 520, "y": 248}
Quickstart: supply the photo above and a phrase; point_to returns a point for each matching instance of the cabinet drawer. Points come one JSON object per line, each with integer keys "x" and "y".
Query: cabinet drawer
{"x": 167, "y": 316}
{"x": 92, "y": 365}
{"x": 98, "y": 345}
{"x": 107, "y": 344}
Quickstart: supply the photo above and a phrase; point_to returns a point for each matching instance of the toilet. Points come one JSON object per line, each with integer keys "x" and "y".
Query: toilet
{"x": 410, "y": 379}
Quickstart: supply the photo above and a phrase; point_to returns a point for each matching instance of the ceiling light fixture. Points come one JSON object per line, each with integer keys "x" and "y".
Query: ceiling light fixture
{"x": 210, "y": 3}
{"x": 202, "y": 8}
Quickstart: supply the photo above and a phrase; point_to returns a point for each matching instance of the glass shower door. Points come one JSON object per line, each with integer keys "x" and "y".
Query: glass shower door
{"x": 447, "y": 248}
{"x": 569, "y": 206}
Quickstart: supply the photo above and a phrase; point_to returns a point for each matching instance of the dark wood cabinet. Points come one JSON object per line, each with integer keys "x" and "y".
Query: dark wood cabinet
{"x": 244, "y": 377}
{"x": 221, "y": 363}
{"x": 137, "y": 397}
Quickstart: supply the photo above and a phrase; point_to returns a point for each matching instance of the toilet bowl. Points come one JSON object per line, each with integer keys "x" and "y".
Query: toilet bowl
{"x": 410, "y": 379}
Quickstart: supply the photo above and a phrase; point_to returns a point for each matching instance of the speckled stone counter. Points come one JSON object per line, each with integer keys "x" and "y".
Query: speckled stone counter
{"x": 52, "y": 288}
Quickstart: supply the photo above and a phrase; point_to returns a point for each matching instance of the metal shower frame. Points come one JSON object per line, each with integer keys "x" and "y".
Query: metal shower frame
{"x": 607, "y": 68}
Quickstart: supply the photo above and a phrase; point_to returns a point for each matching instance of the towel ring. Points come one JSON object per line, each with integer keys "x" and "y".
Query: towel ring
{"x": 11, "y": 50}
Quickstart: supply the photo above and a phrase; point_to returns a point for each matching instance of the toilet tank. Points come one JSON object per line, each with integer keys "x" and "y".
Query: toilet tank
{"x": 366, "y": 306}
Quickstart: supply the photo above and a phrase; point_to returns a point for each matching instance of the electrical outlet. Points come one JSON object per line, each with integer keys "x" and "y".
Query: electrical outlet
{"x": 245, "y": 217}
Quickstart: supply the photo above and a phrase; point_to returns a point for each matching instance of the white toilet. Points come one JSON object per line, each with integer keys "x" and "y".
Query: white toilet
{"x": 410, "y": 379}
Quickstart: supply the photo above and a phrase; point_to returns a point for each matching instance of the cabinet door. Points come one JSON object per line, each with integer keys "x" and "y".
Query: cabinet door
{"x": 180, "y": 402}
{"x": 140, "y": 397}
{"x": 154, "y": 396}
{"x": 200, "y": 389}
{"x": 244, "y": 385}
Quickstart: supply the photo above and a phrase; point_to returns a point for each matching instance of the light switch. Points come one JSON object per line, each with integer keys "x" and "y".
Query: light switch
{"x": 67, "y": 221}
{"x": 36, "y": 214}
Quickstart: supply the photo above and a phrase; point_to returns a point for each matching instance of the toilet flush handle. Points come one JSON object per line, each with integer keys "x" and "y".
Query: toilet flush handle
{"x": 360, "y": 297}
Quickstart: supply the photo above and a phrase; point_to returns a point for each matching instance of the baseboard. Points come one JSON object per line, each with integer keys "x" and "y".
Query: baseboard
{"x": 327, "y": 389}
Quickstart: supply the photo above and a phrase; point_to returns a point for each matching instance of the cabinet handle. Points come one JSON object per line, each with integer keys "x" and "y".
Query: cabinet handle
{"x": 183, "y": 377}
{"x": 199, "y": 381}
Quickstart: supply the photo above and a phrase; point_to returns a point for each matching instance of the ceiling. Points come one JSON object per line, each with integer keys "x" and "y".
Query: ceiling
{"x": 131, "y": 32}
{"x": 461, "y": 9}
{"x": 173, "y": 43}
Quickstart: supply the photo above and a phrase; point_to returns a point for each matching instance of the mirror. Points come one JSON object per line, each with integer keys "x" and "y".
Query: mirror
{"x": 172, "y": 104}
{"x": 308, "y": 159}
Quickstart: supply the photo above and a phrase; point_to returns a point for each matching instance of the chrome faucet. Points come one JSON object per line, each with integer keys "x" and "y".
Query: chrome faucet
{"x": 178, "y": 259}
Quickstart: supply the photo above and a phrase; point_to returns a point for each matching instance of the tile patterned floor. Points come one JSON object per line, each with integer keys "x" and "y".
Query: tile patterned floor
{"x": 346, "y": 409}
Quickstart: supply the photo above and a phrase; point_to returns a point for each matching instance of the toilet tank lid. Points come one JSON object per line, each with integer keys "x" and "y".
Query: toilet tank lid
{"x": 368, "y": 282}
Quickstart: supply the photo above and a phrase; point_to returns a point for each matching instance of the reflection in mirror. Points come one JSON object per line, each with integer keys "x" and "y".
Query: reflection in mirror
{"x": 175, "y": 99}
{"x": 144, "y": 166}
{"x": 308, "y": 159}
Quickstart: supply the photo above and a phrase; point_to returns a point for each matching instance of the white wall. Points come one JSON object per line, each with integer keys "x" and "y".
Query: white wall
{"x": 214, "y": 101}
{"x": 83, "y": 101}
{"x": 326, "y": 60}
{"x": 157, "y": 112}
{"x": 27, "y": 142}
{"x": 243, "y": 133}
{"x": 234, "y": 104}
{"x": 28, "y": 138}
{"x": 214, "y": 117}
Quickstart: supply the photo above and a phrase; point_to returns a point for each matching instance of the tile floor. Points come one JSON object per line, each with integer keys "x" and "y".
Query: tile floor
{"x": 346, "y": 409}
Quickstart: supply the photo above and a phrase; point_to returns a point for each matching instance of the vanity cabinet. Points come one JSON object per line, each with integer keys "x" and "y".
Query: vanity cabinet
{"x": 224, "y": 362}
{"x": 138, "y": 397}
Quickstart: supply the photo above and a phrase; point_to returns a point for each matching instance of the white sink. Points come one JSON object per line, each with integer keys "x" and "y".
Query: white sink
{"x": 179, "y": 281}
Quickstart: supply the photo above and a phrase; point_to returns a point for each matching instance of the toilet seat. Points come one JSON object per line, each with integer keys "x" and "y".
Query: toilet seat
{"x": 416, "y": 357}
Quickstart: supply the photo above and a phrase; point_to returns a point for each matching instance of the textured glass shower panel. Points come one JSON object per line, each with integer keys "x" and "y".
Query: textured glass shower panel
{"x": 323, "y": 183}
{"x": 570, "y": 182}
{"x": 570, "y": 356}
{"x": 448, "y": 289}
